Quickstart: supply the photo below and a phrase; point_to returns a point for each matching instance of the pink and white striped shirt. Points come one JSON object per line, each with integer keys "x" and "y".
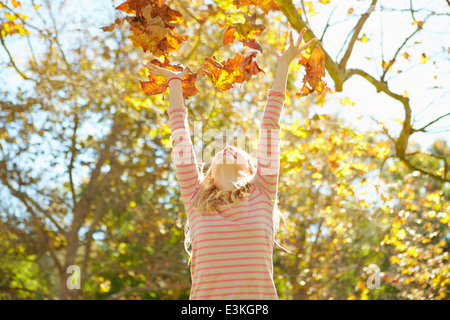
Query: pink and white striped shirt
{"x": 232, "y": 249}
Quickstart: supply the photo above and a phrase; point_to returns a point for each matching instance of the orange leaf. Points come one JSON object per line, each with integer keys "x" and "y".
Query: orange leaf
{"x": 252, "y": 44}
{"x": 225, "y": 74}
{"x": 315, "y": 71}
{"x": 264, "y": 5}
{"x": 242, "y": 31}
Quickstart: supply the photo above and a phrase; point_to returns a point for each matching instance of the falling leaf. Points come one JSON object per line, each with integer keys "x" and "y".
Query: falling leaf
{"x": 264, "y": 5}
{"x": 347, "y": 102}
{"x": 252, "y": 44}
{"x": 405, "y": 55}
{"x": 16, "y": 4}
{"x": 242, "y": 31}
{"x": 423, "y": 58}
{"x": 364, "y": 38}
{"x": 350, "y": 11}
{"x": 315, "y": 71}
{"x": 112, "y": 26}
{"x": 225, "y": 74}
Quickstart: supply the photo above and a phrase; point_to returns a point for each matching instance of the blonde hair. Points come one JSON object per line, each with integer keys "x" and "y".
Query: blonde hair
{"x": 208, "y": 197}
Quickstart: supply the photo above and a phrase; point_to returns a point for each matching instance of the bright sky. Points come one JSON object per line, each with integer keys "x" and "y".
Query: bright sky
{"x": 386, "y": 31}
{"x": 426, "y": 84}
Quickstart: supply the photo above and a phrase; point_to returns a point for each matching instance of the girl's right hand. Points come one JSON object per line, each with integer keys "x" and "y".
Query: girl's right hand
{"x": 168, "y": 74}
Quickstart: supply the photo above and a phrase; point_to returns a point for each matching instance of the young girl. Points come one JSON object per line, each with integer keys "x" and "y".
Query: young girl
{"x": 231, "y": 209}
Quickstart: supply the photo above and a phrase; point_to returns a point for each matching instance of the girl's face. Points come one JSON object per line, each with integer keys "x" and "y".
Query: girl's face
{"x": 230, "y": 159}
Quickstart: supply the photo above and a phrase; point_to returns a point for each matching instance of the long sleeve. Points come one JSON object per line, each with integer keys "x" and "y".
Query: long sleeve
{"x": 269, "y": 145}
{"x": 183, "y": 154}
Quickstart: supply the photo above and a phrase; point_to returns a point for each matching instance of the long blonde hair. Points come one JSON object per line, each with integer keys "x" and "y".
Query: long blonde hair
{"x": 208, "y": 197}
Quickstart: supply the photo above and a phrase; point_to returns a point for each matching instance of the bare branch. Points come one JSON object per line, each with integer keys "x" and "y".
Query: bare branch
{"x": 429, "y": 124}
{"x": 11, "y": 60}
{"x": 391, "y": 62}
{"x": 356, "y": 32}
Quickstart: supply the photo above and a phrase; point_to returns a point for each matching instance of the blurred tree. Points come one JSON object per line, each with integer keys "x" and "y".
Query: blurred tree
{"x": 86, "y": 177}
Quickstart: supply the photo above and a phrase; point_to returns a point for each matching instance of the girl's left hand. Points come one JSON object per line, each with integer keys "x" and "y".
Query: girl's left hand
{"x": 293, "y": 50}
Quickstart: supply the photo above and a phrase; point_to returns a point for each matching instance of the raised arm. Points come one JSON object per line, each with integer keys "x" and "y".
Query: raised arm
{"x": 183, "y": 154}
{"x": 269, "y": 133}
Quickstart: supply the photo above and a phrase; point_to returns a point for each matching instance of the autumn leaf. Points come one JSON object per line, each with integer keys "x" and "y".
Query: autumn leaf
{"x": 405, "y": 55}
{"x": 152, "y": 26}
{"x": 112, "y": 26}
{"x": 364, "y": 38}
{"x": 347, "y": 102}
{"x": 264, "y": 5}
{"x": 134, "y": 6}
{"x": 350, "y": 11}
{"x": 419, "y": 24}
{"x": 252, "y": 44}
{"x": 242, "y": 31}
{"x": 16, "y": 4}
{"x": 315, "y": 71}
{"x": 423, "y": 58}
{"x": 225, "y": 74}
{"x": 158, "y": 84}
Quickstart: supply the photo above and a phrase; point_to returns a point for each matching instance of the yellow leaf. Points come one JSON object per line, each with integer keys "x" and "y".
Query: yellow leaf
{"x": 405, "y": 55}
{"x": 10, "y": 17}
{"x": 364, "y": 38}
{"x": 132, "y": 204}
{"x": 15, "y": 3}
{"x": 435, "y": 196}
{"x": 317, "y": 175}
{"x": 401, "y": 234}
{"x": 386, "y": 65}
{"x": 347, "y": 102}
{"x": 423, "y": 58}
{"x": 405, "y": 94}
{"x": 445, "y": 219}
{"x": 105, "y": 286}
{"x": 393, "y": 168}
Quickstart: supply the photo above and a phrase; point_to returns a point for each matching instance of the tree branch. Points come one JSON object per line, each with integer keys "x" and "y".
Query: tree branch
{"x": 429, "y": 124}
{"x": 357, "y": 30}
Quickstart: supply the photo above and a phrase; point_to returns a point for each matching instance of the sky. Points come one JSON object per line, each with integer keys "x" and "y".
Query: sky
{"x": 425, "y": 84}
{"x": 427, "y": 101}
{"x": 386, "y": 30}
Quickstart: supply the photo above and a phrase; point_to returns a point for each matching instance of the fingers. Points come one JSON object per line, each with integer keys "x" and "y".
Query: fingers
{"x": 300, "y": 37}
{"x": 291, "y": 40}
{"x": 308, "y": 44}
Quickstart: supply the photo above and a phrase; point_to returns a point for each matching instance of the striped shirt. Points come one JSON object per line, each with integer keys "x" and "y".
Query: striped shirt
{"x": 232, "y": 249}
